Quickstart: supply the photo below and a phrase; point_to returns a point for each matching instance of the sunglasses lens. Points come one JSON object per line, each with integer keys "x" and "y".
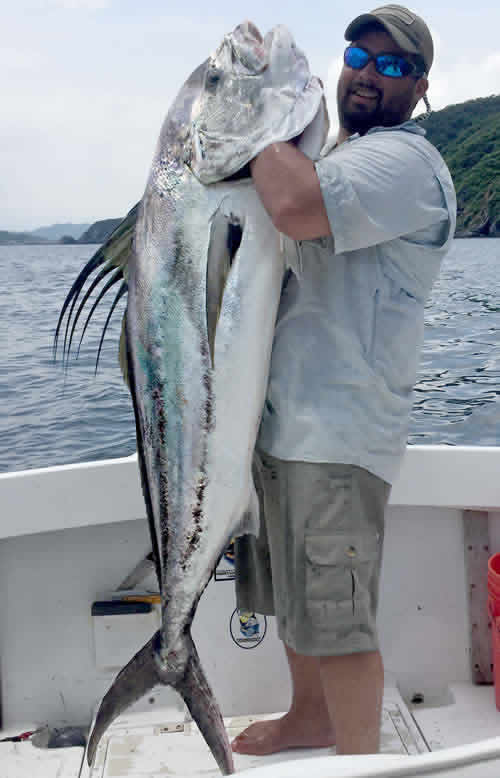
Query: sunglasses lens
{"x": 355, "y": 57}
{"x": 393, "y": 66}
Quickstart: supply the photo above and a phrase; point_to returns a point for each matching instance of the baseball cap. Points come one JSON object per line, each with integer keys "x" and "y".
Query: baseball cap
{"x": 405, "y": 27}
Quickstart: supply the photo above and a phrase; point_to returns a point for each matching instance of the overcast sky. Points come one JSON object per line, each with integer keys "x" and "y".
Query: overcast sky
{"x": 85, "y": 85}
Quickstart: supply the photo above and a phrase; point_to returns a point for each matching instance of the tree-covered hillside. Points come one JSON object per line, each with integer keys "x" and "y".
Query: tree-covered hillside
{"x": 100, "y": 231}
{"x": 58, "y": 231}
{"x": 468, "y": 137}
{"x": 8, "y": 238}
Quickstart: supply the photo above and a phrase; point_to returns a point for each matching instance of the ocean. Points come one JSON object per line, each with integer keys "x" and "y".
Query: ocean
{"x": 49, "y": 417}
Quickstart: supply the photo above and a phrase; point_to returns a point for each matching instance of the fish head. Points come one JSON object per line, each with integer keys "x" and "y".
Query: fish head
{"x": 256, "y": 91}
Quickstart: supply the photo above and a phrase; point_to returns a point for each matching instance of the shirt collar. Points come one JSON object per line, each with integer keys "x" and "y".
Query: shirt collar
{"x": 410, "y": 125}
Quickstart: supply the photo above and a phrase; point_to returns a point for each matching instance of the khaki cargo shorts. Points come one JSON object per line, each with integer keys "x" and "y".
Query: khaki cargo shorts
{"x": 316, "y": 563}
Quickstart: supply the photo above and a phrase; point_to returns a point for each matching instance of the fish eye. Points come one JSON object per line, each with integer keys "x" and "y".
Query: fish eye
{"x": 213, "y": 77}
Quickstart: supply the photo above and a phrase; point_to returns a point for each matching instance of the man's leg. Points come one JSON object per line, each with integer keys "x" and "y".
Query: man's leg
{"x": 339, "y": 695}
{"x": 306, "y": 725}
{"x": 353, "y": 686}
{"x": 338, "y": 512}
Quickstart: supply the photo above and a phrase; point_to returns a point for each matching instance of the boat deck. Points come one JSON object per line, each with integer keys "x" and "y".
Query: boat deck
{"x": 149, "y": 745}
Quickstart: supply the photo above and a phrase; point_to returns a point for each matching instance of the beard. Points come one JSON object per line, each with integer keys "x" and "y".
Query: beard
{"x": 362, "y": 118}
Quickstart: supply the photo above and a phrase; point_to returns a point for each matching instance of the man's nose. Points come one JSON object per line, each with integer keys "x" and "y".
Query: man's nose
{"x": 369, "y": 68}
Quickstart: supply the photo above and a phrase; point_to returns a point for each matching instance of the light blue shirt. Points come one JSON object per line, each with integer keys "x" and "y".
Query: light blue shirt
{"x": 350, "y": 323}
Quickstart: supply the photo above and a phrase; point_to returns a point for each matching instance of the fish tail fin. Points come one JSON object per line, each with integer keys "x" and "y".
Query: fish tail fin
{"x": 137, "y": 677}
{"x": 198, "y": 696}
{"x": 185, "y": 674}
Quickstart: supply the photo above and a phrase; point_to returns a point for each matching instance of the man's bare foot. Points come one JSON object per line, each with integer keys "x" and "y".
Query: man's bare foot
{"x": 290, "y": 731}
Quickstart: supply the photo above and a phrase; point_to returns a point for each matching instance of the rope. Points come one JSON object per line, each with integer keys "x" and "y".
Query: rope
{"x": 424, "y": 116}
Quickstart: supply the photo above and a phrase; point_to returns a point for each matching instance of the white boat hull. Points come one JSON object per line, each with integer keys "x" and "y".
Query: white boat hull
{"x": 70, "y": 533}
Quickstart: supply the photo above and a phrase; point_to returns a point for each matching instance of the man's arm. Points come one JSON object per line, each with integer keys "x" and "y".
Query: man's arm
{"x": 288, "y": 186}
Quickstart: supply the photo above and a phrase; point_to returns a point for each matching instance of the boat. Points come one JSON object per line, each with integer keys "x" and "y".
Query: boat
{"x": 71, "y": 535}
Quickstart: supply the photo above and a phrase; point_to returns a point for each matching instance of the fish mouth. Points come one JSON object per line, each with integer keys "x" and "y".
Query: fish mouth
{"x": 246, "y": 49}
{"x": 253, "y": 30}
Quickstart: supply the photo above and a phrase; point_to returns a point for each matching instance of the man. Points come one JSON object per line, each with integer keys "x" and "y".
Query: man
{"x": 371, "y": 222}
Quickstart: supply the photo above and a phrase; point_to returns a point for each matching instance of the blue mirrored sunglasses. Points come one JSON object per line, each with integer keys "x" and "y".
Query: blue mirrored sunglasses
{"x": 391, "y": 65}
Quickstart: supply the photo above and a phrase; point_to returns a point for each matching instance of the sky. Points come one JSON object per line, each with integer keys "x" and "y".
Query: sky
{"x": 85, "y": 85}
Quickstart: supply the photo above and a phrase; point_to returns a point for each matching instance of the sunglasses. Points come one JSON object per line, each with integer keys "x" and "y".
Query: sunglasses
{"x": 391, "y": 65}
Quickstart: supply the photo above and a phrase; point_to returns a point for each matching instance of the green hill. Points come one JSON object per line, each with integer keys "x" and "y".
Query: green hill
{"x": 100, "y": 231}
{"x": 468, "y": 137}
{"x": 58, "y": 231}
{"x": 7, "y": 238}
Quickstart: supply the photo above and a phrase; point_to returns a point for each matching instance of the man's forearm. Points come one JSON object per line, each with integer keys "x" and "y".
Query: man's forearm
{"x": 288, "y": 186}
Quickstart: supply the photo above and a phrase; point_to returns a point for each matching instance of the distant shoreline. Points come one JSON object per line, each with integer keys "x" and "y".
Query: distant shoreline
{"x": 458, "y": 236}
{"x": 101, "y": 243}
{"x": 48, "y": 243}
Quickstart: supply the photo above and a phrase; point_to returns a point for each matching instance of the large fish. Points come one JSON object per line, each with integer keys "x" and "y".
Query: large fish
{"x": 203, "y": 268}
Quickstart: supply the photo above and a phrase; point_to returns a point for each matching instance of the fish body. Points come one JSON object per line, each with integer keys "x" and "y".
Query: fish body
{"x": 204, "y": 279}
{"x": 199, "y": 400}
{"x": 198, "y": 416}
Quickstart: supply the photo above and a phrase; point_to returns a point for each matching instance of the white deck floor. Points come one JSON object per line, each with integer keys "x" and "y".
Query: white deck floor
{"x": 143, "y": 752}
{"x": 145, "y": 745}
{"x": 22, "y": 760}
{"x": 472, "y": 716}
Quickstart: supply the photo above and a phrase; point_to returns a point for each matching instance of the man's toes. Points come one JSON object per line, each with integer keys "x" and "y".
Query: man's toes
{"x": 243, "y": 745}
{"x": 254, "y": 739}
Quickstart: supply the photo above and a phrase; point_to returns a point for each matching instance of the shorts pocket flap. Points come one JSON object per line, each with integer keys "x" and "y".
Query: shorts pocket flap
{"x": 341, "y": 549}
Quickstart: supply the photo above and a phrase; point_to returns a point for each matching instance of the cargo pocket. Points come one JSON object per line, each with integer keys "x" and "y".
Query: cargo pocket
{"x": 339, "y": 580}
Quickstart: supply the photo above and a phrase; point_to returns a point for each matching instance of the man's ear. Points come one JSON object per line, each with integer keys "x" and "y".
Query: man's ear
{"x": 421, "y": 87}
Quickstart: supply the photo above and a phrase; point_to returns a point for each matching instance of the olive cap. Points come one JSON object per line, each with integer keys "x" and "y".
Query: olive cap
{"x": 406, "y": 28}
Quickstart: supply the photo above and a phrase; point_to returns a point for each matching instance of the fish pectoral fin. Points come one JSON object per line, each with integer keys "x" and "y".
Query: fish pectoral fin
{"x": 199, "y": 698}
{"x": 226, "y": 230}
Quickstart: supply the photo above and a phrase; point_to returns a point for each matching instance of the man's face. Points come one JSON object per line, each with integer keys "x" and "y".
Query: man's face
{"x": 367, "y": 99}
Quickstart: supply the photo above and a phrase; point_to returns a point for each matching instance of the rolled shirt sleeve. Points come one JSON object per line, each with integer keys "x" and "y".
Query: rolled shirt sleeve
{"x": 379, "y": 187}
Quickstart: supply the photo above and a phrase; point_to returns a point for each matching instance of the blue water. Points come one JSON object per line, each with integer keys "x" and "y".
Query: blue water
{"x": 47, "y": 418}
{"x": 457, "y": 395}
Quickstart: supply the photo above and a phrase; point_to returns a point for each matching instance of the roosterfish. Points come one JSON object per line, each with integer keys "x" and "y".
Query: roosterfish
{"x": 202, "y": 266}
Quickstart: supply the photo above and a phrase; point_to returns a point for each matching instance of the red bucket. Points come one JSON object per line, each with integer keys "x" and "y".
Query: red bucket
{"x": 494, "y": 609}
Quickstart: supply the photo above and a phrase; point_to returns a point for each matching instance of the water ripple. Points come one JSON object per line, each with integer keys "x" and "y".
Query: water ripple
{"x": 458, "y": 386}
{"x": 50, "y": 417}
